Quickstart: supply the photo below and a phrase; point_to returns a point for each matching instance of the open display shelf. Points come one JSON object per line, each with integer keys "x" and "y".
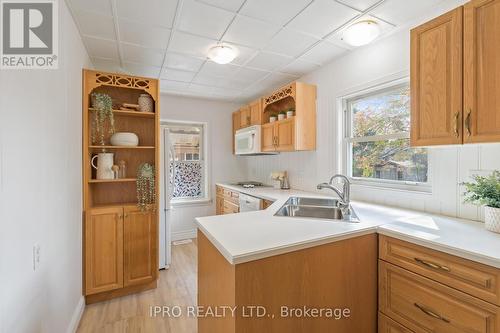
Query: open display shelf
{"x": 120, "y": 239}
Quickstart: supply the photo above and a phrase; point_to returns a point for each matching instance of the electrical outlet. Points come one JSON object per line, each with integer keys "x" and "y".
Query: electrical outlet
{"x": 36, "y": 256}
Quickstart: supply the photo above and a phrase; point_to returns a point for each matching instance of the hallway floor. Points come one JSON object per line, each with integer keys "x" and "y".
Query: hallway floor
{"x": 131, "y": 314}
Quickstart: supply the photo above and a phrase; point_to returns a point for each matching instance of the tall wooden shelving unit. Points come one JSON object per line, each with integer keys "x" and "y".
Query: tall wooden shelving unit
{"x": 120, "y": 253}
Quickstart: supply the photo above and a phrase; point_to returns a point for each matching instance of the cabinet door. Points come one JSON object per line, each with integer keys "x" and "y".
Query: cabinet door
{"x": 256, "y": 113}
{"x": 219, "y": 205}
{"x": 236, "y": 125}
{"x": 245, "y": 117}
{"x": 140, "y": 246}
{"x": 387, "y": 325}
{"x": 268, "y": 138}
{"x": 103, "y": 250}
{"x": 285, "y": 135}
{"x": 436, "y": 81}
{"x": 482, "y": 71}
{"x": 230, "y": 208}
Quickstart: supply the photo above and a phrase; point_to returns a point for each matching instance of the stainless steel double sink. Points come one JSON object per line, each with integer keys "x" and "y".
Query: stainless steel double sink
{"x": 317, "y": 208}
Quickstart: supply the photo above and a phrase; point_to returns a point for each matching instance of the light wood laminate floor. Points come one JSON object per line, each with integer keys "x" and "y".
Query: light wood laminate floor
{"x": 131, "y": 314}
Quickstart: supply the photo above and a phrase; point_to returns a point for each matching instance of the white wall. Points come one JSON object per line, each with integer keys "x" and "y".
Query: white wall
{"x": 40, "y": 190}
{"x": 359, "y": 69}
{"x": 223, "y": 166}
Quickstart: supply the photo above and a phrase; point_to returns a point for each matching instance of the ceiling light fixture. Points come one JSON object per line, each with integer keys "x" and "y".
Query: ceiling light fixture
{"x": 222, "y": 54}
{"x": 361, "y": 33}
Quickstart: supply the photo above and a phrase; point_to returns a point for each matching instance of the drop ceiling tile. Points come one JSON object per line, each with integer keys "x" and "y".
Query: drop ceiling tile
{"x": 277, "y": 12}
{"x": 401, "y": 12}
{"x": 290, "y": 42}
{"x": 250, "y": 32}
{"x": 216, "y": 70}
{"x": 107, "y": 65}
{"x": 143, "y": 34}
{"x": 323, "y": 53}
{"x": 322, "y": 17}
{"x": 268, "y": 61}
{"x": 204, "y": 20}
{"x": 177, "y": 75}
{"x": 360, "y": 5}
{"x": 208, "y": 80}
{"x": 232, "y": 5}
{"x": 183, "y": 62}
{"x": 250, "y": 75}
{"x": 227, "y": 92}
{"x": 337, "y": 38}
{"x": 101, "y": 48}
{"x": 199, "y": 88}
{"x": 142, "y": 55}
{"x": 157, "y": 12}
{"x": 167, "y": 85}
{"x": 236, "y": 83}
{"x": 190, "y": 44}
{"x": 300, "y": 67}
{"x": 142, "y": 70}
{"x": 95, "y": 25}
{"x": 102, "y": 7}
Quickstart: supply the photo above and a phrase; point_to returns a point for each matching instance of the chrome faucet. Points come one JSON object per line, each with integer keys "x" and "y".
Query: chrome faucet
{"x": 345, "y": 195}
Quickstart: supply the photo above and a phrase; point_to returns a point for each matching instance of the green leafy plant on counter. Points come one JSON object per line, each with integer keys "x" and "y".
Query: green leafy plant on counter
{"x": 484, "y": 190}
{"x": 103, "y": 117}
{"x": 146, "y": 190}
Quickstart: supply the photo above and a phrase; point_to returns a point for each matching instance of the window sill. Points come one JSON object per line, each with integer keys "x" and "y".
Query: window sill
{"x": 194, "y": 202}
{"x": 417, "y": 189}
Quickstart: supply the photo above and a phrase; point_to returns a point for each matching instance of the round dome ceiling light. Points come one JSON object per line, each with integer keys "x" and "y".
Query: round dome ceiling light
{"x": 361, "y": 33}
{"x": 222, "y": 54}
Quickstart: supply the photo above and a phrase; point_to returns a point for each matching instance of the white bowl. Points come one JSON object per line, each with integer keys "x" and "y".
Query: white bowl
{"x": 124, "y": 139}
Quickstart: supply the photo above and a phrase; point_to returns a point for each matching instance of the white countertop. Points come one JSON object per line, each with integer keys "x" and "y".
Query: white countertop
{"x": 255, "y": 235}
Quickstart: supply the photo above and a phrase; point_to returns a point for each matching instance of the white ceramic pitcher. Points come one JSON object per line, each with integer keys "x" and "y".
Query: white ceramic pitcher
{"x": 104, "y": 164}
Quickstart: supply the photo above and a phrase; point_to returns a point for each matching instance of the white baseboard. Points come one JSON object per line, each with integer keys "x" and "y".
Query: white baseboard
{"x": 184, "y": 234}
{"x": 77, "y": 315}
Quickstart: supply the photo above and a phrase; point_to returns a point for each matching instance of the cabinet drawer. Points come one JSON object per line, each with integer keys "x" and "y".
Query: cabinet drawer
{"x": 422, "y": 304}
{"x": 231, "y": 196}
{"x": 230, "y": 208}
{"x": 387, "y": 325}
{"x": 476, "y": 279}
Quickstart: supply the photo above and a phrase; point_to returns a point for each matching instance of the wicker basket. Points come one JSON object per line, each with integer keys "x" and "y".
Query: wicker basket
{"x": 492, "y": 219}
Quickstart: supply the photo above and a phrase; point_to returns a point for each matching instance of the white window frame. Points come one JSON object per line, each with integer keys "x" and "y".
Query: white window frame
{"x": 204, "y": 145}
{"x": 348, "y": 140}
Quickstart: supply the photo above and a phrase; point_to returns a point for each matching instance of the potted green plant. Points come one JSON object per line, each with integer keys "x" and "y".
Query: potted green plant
{"x": 145, "y": 183}
{"x": 290, "y": 113}
{"x": 485, "y": 191}
{"x": 273, "y": 118}
{"x": 103, "y": 117}
{"x": 282, "y": 115}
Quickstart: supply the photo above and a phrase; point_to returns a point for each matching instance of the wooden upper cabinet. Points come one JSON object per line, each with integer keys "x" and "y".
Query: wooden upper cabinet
{"x": 482, "y": 71}
{"x": 285, "y": 135}
{"x": 436, "y": 81}
{"x": 140, "y": 246}
{"x": 103, "y": 250}
{"x": 245, "y": 117}
{"x": 268, "y": 138}
{"x": 256, "y": 112}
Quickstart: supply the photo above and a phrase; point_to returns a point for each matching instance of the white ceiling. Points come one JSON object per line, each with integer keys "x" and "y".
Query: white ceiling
{"x": 277, "y": 40}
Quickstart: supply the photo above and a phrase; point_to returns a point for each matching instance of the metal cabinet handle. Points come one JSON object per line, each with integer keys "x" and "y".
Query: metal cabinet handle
{"x": 126, "y": 215}
{"x": 120, "y": 216}
{"x": 432, "y": 265}
{"x": 456, "y": 124}
{"x": 467, "y": 123}
{"x": 431, "y": 313}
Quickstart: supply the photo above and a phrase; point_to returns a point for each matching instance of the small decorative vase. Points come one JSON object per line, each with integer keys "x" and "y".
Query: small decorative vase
{"x": 145, "y": 103}
{"x": 281, "y": 116}
{"x": 272, "y": 119}
{"x": 289, "y": 114}
{"x": 492, "y": 219}
{"x": 124, "y": 139}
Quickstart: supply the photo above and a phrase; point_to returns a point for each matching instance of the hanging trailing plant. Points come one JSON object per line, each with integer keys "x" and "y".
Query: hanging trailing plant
{"x": 146, "y": 191}
{"x": 103, "y": 117}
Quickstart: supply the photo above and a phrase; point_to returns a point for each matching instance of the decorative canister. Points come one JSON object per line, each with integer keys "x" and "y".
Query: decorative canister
{"x": 124, "y": 139}
{"x": 492, "y": 218}
{"x": 272, "y": 119}
{"x": 145, "y": 103}
{"x": 289, "y": 114}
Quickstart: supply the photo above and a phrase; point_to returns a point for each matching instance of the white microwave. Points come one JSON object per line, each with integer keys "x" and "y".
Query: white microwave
{"x": 247, "y": 141}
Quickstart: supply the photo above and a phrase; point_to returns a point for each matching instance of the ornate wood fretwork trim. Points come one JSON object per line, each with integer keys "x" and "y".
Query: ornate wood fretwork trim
{"x": 116, "y": 80}
{"x": 279, "y": 94}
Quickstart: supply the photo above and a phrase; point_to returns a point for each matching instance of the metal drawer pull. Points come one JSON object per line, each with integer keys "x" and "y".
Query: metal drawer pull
{"x": 431, "y": 313}
{"x": 432, "y": 265}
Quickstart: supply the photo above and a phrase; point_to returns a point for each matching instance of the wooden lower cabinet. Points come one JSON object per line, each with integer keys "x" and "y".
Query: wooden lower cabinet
{"x": 104, "y": 250}
{"x": 139, "y": 246}
{"x": 226, "y": 201}
{"x": 387, "y": 325}
{"x": 230, "y": 207}
{"x": 219, "y": 205}
{"x": 120, "y": 253}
